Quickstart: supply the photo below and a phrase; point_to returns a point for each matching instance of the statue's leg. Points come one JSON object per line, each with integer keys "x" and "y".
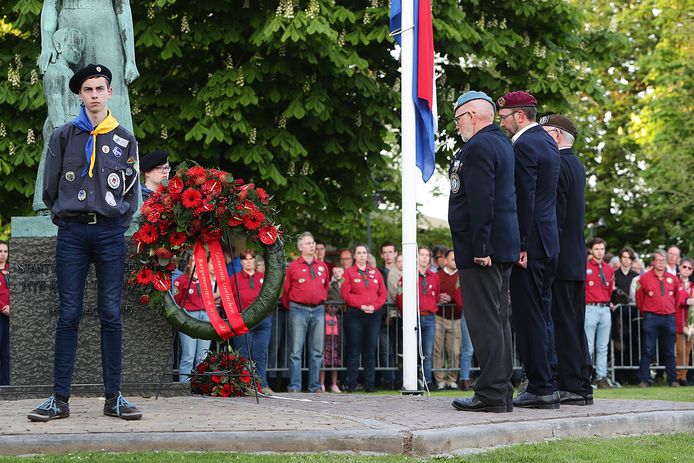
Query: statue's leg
{"x": 38, "y": 205}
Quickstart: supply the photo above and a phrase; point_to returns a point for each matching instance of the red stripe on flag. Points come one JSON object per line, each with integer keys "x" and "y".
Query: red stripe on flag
{"x": 425, "y": 51}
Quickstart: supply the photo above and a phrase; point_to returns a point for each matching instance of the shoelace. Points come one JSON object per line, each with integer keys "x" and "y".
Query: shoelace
{"x": 122, "y": 403}
{"x": 49, "y": 404}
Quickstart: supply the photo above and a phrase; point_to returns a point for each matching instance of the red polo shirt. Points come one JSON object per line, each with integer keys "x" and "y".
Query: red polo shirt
{"x": 4, "y": 288}
{"x": 659, "y": 295}
{"x": 599, "y": 290}
{"x": 248, "y": 287}
{"x": 193, "y": 300}
{"x": 428, "y": 288}
{"x": 683, "y": 309}
{"x": 306, "y": 283}
{"x": 450, "y": 284}
{"x": 365, "y": 287}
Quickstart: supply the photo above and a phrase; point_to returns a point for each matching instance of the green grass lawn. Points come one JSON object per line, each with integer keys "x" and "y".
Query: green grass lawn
{"x": 659, "y": 392}
{"x": 642, "y": 449}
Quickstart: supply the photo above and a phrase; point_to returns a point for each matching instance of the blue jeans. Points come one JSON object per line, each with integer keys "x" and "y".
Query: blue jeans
{"x": 361, "y": 331}
{"x": 466, "y": 350}
{"x": 598, "y": 326}
{"x": 427, "y": 326}
{"x": 4, "y": 350}
{"x": 661, "y": 328}
{"x": 77, "y": 245}
{"x": 305, "y": 324}
{"x": 277, "y": 352}
{"x": 259, "y": 340}
{"x": 193, "y": 350}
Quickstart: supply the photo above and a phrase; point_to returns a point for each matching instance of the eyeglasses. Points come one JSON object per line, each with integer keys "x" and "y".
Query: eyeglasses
{"x": 501, "y": 118}
{"x": 456, "y": 119}
{"x": 686, "y": 267}
{"x": 163, "y": 169}
{"x": 551, "y": 130}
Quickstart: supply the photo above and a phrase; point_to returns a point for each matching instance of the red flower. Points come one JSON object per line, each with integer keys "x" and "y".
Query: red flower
{"x": 268, "y": 234}
{"x": 175, "y": 185}
{"x": 262, "y": 195}
{"x": 253, "y": 220}
{"x": 211, "y": 234}
{"x": 245, "y": 377}
{"x": 216, "y": 379}
{"x": 192, "y": 198}
{"x": 244, "y": 189}
{"x": 148, "y": 233}
{"x": 195, "y": 171}
{"x": 235, "y": 221}
{"x": 239, "y": 181}
{"x": 202, "y": 366}
{"x": 226, "y": 391}
{"x": 144, "y": 276}
{"x": 163, "y": 253}
{"x": 154, "y": 213}
{"x": 177, "y": 239}
{"x": 144, "y": 299}
{"x": 212, "y": 187}
{"x": 161, "y": 281}
{"x": 205, "y": 207}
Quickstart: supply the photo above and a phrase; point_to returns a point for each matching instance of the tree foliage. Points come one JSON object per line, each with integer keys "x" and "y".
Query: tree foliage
{"x": 301, "y": 96}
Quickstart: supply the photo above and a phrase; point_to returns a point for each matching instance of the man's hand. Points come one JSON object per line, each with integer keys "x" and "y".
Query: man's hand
{"x": 483, "y": 261}
{"x": 523, "y": 260}
{"x": 6, "y": 310}
{"x": 444, "y": 298}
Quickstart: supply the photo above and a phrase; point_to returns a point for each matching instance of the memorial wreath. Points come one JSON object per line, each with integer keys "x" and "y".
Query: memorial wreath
{"x": 194, "y": 211}
{"x": 225, "y": 374}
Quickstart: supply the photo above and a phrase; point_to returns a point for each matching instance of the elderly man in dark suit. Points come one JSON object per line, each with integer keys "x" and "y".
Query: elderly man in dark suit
{"x": 536, "y": 175}
{"x": 574, "y": 364}
{"x": 484, "y": 228}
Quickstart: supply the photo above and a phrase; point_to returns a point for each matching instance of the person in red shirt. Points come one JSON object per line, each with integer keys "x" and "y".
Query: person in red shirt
{"x": 428, "y": 284}
{"x": 657, "y": 297}
{"x": 684, "y": 341}
{"x": 189, "y": 296}
{"x": 364, "y": 292}
{"x": 448, "y": 337}
{"x": 305, "y": 290}
{"x": 245, "y": 286}
{"x": 598, "y": 322}
{"x": 4, "y": 315}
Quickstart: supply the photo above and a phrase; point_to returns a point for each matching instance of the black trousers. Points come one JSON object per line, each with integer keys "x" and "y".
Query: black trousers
{"x": 569, "y": 314}
{"x": 531, "y": 302}
{"x": 485, "y": 299}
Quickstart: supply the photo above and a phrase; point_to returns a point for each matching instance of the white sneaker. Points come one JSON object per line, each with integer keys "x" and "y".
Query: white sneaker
{"x": 441, "y": 385}
{"x": 334, "y": 388}
{"x": 453, "y": 385}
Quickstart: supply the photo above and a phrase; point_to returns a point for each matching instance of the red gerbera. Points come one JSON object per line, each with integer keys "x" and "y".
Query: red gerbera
{"x": 176, "y": 185}
{"x": 225, "y": 391}
{"x": 177, "y": 239}
{"x": 148, "y": 233}
{"x": 245, "y": 377}
{"x": 268, "y": 235}
{"x": 191, "y": 198}
{"x": 144, "y": 276}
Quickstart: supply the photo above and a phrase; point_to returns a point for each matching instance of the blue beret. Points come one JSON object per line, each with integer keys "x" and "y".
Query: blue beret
{"x": 473, "y": 95}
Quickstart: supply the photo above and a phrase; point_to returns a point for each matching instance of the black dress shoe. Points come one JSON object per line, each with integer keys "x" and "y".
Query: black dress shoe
{"x": 473, "y": 404}
{"x": 528, "y": 400}
{"x": 575, "y": 398}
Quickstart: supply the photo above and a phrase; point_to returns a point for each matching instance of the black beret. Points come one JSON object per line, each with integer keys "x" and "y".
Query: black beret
{"x": 87, "y": 72}
{"x": 152, "y": 160}
{"x": 560, "y": 122}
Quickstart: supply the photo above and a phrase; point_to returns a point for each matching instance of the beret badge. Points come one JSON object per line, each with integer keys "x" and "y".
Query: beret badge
{"x": 501, "y": 102}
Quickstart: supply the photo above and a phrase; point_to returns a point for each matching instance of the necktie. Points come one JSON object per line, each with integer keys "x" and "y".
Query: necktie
{"x": 251, "y": 282}
{"x": 662, "y": 287}
{"x": 424, "y": 283}
{"x": 83, "y": 122}
{"x": 363, "y": 275}
{"x": 310, "y": 269}
{"x": 603, "y": 279}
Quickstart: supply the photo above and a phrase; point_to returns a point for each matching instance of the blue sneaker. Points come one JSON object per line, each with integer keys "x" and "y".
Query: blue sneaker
{"x": 121, "y": 408}
{"x": 51, "y": 409}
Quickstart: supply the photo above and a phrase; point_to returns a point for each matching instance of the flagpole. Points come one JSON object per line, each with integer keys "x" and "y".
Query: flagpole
{"x": 409, "y": 210}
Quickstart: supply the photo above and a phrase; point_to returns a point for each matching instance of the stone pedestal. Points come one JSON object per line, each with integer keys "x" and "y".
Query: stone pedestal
{"x": 147, "y": 338}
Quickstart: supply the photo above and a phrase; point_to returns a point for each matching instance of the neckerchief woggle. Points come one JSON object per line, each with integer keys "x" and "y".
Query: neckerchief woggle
{"x": 83, "y": 122}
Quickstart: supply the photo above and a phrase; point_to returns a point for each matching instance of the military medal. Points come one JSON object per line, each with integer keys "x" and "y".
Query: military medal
{"x": 81, "y": 195}
{"x": 455, "y": 183}
{"x": 113, "y": 180}
{"x": 105, "y": 149}
{"x": 110, "y": 200}
{"x": 70, "y": 176}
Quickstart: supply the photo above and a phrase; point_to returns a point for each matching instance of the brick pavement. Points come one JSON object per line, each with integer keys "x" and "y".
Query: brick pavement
{"x": 308, "y": 422}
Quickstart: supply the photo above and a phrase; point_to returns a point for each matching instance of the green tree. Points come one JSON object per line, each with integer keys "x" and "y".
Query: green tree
{"x": 301, "y": 96}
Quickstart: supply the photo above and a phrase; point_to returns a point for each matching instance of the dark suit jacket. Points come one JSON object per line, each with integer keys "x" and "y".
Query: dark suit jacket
{"x": 537, "y": 173}
{"x": 570, "y": 211}
{"x": 482, "y": 213}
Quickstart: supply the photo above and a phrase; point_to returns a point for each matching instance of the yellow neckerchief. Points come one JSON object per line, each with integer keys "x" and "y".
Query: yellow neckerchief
{"x": 104, "y": 126}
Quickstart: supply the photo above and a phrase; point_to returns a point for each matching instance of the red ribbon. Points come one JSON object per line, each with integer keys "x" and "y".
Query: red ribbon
{"x": 238, "y": 326}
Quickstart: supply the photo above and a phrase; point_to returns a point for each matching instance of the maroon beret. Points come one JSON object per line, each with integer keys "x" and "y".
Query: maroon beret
{"x": 516, "y": 100}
